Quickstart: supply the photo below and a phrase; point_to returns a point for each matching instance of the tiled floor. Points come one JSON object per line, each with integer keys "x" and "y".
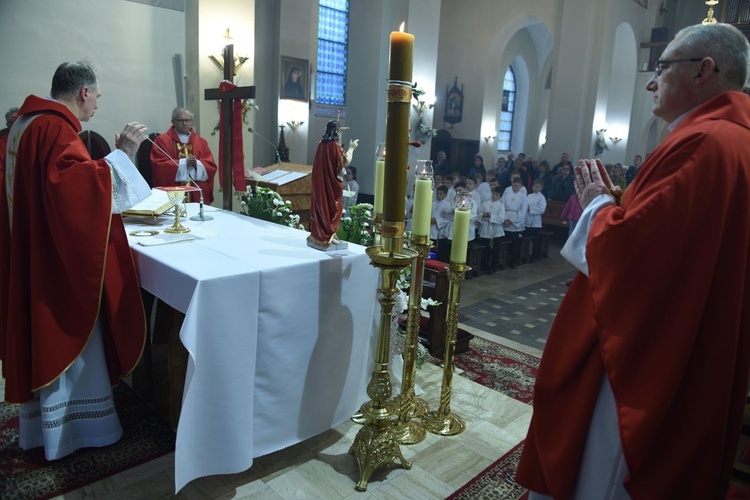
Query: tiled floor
{"x": 321, "y": 467}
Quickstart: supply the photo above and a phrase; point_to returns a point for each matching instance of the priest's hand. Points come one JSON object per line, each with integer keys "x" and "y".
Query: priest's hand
{"x": 131, "y": 137}
{"x": 591, "y": 180}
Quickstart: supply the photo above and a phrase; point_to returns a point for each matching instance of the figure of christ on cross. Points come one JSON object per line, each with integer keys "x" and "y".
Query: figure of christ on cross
{"x": 231, "y": 157}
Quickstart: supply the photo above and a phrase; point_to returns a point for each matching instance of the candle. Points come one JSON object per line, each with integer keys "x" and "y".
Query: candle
{"x": 397, "y": 126}
{"x": 461, "y": 219}
{"x": 422, "y": 198}
{"x": 379, "y": 178}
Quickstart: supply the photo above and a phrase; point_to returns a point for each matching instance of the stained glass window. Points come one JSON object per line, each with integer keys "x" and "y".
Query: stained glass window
{"x": 505, "y": 130}
{"x": 333, "y": 40}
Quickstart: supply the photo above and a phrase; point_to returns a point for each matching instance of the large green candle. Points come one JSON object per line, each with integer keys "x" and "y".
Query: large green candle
{"x": 397, "y": 127}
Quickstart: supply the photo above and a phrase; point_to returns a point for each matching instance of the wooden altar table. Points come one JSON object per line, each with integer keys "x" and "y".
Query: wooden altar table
{"x": 280, "y": 336}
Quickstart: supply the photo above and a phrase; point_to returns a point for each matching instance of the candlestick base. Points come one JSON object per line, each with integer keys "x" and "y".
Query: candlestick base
{"x": 376, "y": 445}
{"x": 443, "y": 424}
{"x": 442, "y": 421}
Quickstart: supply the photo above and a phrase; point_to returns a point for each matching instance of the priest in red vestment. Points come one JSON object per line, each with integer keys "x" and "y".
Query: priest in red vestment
{"x": 326, "y": 204}
{"x": 10, "y": 117}
{"x": 182, "y": 152}
{"x": 71, "y": 317}
{"x": 644, "y": 377}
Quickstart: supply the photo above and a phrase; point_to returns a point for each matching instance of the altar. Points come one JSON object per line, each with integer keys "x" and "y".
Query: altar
{"x": 280, "y": 336}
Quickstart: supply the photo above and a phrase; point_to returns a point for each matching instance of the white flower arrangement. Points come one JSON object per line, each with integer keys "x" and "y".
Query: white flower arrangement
{"x": 600, "y": 145}
{"x": 267, "y": 204}
{"x": 398, "y": 336}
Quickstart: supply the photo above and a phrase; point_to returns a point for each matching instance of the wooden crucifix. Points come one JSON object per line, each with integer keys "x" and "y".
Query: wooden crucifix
{"x": 227, "y": 100}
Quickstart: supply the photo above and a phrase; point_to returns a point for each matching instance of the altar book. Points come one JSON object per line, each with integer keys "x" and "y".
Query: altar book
{"x": 153, "y": 206}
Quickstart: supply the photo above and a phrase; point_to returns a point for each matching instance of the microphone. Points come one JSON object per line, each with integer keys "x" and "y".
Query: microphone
{"x": 274, "y": 146}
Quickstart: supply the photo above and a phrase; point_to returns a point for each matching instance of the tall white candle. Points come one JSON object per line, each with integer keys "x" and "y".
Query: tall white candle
{"x": 461, "y": 219}
{"x": 379, "y": 182}
{"x": 422, "y": 207}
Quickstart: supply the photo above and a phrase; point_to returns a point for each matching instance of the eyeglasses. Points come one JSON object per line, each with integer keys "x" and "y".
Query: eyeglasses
{"x": 662, "y": 64}
{"x": 183, "y": 120}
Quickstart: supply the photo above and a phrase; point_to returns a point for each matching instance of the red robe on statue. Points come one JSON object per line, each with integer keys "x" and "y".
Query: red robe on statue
{"x": 664, "y": 314}
{"x": 327, "y": 191}
{"x": 64, "y": 261}
{"x": 164, "y": 169}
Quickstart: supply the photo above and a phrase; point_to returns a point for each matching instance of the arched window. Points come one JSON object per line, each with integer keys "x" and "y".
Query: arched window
{"x": 505, "y": 129}
{"x": 333, "y": 42}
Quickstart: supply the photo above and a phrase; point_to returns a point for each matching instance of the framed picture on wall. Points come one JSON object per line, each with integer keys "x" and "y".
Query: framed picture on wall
{"x": 294, "y": 78}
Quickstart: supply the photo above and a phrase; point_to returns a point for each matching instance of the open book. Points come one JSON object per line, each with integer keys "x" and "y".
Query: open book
{"x": 153, "y": 206}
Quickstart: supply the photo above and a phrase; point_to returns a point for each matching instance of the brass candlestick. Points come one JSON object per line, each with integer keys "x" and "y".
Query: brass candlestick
{"x": 375, "y": 445}
{"x": 377, "y": 220}
{"x": 442, "y": 421}
{"x": 407, "y": 404}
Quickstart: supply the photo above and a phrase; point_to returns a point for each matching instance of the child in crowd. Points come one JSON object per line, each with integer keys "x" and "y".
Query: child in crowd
{"x": 483, "y": 188}
{"x": 515, "y": 210}
{"x": 618, "y": 178}
{"x": 439, "y": 222}
{"x": 491, "y": 230}
{"x": 572, "y": 212}
{"x": 471, "y": 187}
{"x": 437, "y": 180}
{"x": 448, "y": 182}
{"x": 509, "y": 189}
{"x": 537, "y": 204}
{"x": 351, "y": 188}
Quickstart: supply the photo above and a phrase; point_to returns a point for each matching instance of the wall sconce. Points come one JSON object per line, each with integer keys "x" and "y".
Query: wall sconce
{"x": 218, "y": 59}
{"x": 488, "y": 138}
{"x": 422, "y": 107}
{"x": 710, "y": 19}
{"x": 294, "y": 125}
{"x": 663, "y": 8}
{"x": 615, "y": 140}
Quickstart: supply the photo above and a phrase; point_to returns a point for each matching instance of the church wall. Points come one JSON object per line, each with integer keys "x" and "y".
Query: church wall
{"x": 469, "y": 49}
{"x": 131, "y": 44}
{"x": 299, "y": 39}
{"x": 267, "y": 68}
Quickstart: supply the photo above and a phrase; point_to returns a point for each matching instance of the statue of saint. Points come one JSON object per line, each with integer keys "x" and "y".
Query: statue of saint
{"x": 326, "y": 203}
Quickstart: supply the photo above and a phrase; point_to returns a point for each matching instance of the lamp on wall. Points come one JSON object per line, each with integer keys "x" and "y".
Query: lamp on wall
{"x": 488, "y": 138}
{"x": 422, "y": 130}
{"x": 218, "y": 59}
{"x": 294, "y": 125}
{"x": 615, "y": 140}
{"x": 710, "y": 19}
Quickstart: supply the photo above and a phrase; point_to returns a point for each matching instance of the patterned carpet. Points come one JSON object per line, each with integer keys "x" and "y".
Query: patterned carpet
{"x": 498, "y": 367}
{"x": 496, "y": 481}
{"x": 27, "y": 474}
{"x": 524, "y": 315}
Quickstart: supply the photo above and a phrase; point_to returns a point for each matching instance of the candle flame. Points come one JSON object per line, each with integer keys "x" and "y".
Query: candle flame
{"x": 401, "y": 28}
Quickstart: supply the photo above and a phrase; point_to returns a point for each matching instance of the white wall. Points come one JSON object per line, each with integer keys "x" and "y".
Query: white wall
{"x": 131, "y": 44}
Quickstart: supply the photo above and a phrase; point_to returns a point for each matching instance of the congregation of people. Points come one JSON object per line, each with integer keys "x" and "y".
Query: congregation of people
{"x": 508, "y": 202}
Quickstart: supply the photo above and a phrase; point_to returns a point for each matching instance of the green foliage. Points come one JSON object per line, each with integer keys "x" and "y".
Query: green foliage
{"x": 356, "y": 225}
{"x": 267, "y": 204}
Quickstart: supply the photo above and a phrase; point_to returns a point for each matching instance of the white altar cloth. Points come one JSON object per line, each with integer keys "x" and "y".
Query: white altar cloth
{"x": 281, "y": 336}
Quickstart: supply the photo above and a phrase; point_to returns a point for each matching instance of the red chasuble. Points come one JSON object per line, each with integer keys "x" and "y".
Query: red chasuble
{"x": 164, "y": 169}
{"x": 665, "y": 315}
{"x": 327, "y": 191}
{"x": 3, "y": 146}
{"x": 65, "y": 260}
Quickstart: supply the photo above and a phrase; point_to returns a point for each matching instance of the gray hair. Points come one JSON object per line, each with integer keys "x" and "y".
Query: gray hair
{"x": 9, "y": 116}
{"x": 71, "y": 77}
{"x": 723, "y": 43}
{"x": 176, "y": 111}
